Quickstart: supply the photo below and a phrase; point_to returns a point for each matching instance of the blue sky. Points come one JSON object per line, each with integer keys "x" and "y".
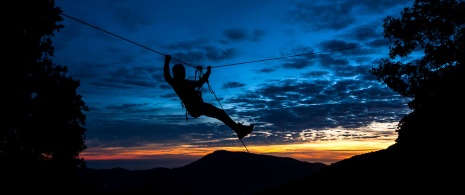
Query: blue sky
{"x": 298, "y": 70}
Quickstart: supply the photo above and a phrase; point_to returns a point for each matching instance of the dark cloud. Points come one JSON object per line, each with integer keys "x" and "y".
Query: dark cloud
{"x": 188, "y": 57}
{"x": 198, "y": 51}
{"x": 380, "y": 43}
{"x": 217, "y": 54}
{"x": 339, "y": 52}
{"x": 257, "y": 35}
{"x": 321, "y": 17}
{"x": 169, "y": 95}
{"x": 239, "y": 34}
{"x": 235, "y": 34}
{"x": 165, "y": 86}
{"x": 372, "y": 7}
{"x": 124, "y": 77}
{"x": 299, "y": 57}
{"x": 186, "y": 45}
{"x": 328, "y": 60}
{"x": 354, "y": 71}
{"x": 125, "y": 107}
{"x": 266, "y": 70}
{"x": 338, "y": 46}
{"x": 232, "y": 85}
{"x": 128, "y": 133}
{"x": 131, "y": 19}
{"x": 298, "y": 63}
{"x": 88, "y": 70}
{"x": 315, "y": 74}
{"x": 365, "y": 32}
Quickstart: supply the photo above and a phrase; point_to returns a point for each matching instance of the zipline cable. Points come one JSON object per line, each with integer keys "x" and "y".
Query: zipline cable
{"x": 123, "y": 38}
{"x": 346, "y": 48}
{"x": 248, "y": 62}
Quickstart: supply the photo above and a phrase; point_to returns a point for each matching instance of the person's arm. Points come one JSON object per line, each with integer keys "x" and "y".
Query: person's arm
{"x": 166, "y": 69}
{"x": 205, "y": 76}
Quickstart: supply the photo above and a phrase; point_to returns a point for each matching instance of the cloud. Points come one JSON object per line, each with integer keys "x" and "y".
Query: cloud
{"x": 127, "y": 77}
{"x": 361, "y": 71}
{"x": 365, "y": 32}
{"x": 326, "y": 15}
{"x": 257, "y": 35}
{"x": 298, "y": 63}
{"x": 315, "y": 74}
{"x": 126, "y": 107}
{"x": 217, "y": 54}
{"x": 293, "y": 105}
{"x": 235, "y": 34}
{"x": 186, "y": 45}
{"x": 321, "y": 17}
{"x": 266, "y": 70}
{"x": 228, "y": 85}
{"x": 328, "y": 60}
{"x": 239, "y": 34}
{"x": 198, "y": 51}
{"x": 300, "y": 57}
{"x": 342, "y": 47}
{"x": 169, "y": 95}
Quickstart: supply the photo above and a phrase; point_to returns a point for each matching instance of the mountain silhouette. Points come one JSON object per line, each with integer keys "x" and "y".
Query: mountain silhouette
{"x": 220, "y": 172}
{"x": 390, "y": 170}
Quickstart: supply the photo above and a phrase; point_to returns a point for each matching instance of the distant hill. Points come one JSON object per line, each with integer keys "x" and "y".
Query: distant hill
{"x": 391, "y": 170}
{"x": 221, "y": 172}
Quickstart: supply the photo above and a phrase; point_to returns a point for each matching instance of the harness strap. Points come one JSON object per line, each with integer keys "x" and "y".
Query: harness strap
{"x": 182, "y": 104}
{"x": 186, "y": 116}
{"x": 198, "y": 90}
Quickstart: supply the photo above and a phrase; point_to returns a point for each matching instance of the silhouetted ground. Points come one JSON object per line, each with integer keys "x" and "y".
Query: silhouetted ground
{"x": 221, "y": 172}
{"x": 390, "y": 170}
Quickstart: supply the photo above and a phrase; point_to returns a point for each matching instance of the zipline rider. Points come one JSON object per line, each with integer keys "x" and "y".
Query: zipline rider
{"x": 192, "y": 99}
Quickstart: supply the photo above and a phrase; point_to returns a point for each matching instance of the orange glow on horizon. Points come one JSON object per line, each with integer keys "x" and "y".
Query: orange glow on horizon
{"x": 338, "y": 144}
{"x": 318, "y": 151}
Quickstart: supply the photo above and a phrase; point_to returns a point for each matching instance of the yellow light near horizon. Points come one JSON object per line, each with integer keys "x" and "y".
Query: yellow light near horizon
{"x": 317, "y": 151}
{"x": 343, "y": 144}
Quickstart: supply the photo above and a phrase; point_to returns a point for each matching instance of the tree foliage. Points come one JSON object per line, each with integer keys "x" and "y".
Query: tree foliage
{"x": 434, "y": 81}
{"x": 43, "y": 122}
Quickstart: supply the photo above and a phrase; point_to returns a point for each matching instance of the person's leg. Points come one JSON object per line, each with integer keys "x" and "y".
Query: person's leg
{"x": 215, "y": 112}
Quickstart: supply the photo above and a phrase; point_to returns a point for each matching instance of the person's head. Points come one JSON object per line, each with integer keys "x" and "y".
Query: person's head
{"x": 179, "y": 72}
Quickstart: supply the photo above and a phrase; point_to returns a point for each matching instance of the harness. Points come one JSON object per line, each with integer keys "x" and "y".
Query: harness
{"x": 198, "y": 90}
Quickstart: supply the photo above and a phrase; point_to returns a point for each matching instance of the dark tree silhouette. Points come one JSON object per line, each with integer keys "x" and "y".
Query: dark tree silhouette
{"x": 43, "y": 130}
{"x": 435, "y": 81}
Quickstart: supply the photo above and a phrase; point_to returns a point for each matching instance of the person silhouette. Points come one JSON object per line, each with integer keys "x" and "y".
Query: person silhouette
{"x": 192, "y": 98}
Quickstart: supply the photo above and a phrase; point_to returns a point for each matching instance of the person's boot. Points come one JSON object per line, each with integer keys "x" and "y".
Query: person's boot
{"x": 242, "y": 130}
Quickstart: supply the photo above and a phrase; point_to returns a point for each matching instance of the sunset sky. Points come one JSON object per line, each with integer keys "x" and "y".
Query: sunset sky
{"x": 298, "y": 70}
